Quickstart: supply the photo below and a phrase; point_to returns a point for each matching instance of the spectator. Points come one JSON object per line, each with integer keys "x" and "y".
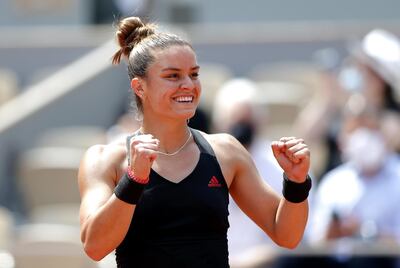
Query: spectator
{"x": 372, "y": 70}
{"x": 359, "y": 198}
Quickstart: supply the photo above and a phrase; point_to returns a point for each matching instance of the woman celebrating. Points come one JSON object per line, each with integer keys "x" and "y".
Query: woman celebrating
{"x": 161, "y": 198}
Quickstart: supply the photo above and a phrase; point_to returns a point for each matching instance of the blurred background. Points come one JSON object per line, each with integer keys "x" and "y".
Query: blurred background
{"x": 324, "y": 71}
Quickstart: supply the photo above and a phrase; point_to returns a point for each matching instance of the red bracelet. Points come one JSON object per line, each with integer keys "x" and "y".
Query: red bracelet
{"x": 134, "y": 178}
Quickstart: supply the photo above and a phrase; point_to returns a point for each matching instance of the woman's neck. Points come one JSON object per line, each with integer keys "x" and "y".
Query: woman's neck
{"x": 171, "y": 136}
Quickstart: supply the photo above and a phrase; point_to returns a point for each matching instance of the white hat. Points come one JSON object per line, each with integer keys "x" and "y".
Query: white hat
{"x": 380, "y": 49}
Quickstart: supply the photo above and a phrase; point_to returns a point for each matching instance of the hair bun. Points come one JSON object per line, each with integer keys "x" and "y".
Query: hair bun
{"x": 130, "y": 32}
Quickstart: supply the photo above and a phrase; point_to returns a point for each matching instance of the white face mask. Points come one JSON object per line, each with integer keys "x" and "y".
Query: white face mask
{"x": 365, "y": 149}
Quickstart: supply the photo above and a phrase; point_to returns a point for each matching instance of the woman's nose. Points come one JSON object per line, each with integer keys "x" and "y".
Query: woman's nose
{"x": 187, "y": 83}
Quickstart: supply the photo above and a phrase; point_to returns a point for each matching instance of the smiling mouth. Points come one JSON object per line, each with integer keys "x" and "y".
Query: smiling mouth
{"x": 185, "y": 99}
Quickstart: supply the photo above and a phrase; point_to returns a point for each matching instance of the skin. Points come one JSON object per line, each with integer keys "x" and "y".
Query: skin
{"x": 105, "y": 219}
{"x": 374, "y": 86}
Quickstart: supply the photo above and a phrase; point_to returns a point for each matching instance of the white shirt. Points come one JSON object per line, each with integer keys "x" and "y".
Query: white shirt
{"x": 374, "y": 200}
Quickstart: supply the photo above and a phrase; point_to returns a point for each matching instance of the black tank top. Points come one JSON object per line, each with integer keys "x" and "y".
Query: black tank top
{"x": 180, "y": 224}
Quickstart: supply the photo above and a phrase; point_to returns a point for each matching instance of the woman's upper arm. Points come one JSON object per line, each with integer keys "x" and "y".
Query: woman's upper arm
{"x": 96, "y": 178}
{"x": 251, "y": 193}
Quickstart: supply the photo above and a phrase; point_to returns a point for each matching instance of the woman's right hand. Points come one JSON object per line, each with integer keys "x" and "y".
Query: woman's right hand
{"x": 143, "y": 149}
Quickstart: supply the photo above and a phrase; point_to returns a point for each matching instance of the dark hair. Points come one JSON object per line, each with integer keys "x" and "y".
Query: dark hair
{"x": 137, "y": 41}
{"x": 390, "y": 99}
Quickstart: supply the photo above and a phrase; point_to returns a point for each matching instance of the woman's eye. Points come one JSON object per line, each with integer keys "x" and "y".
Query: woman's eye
{"x": 172, "y": 76}
{"x": 195, "y": 75}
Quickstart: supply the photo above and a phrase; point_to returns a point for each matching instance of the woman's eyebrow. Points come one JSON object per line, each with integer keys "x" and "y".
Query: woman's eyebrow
{"x": 170, "y": 69}
{"x": 177, "y": 69}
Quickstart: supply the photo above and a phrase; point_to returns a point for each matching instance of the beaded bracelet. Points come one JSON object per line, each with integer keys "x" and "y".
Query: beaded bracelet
{"x": 133, "y": 177}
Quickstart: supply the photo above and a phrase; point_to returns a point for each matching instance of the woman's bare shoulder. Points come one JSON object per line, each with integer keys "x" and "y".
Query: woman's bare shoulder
{"x": 223, "y": 142}
{"x": 106, "y": 152}
{"x": 103, "y": 159}
{"x": 228, "y": 149}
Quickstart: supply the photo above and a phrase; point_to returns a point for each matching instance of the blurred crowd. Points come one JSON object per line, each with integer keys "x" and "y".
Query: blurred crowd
{"x": 349, "y": 114}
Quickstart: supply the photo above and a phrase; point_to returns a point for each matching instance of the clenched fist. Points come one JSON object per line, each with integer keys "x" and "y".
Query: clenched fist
{"x": 143, "y": 152}
{"x": 293, "y": 156}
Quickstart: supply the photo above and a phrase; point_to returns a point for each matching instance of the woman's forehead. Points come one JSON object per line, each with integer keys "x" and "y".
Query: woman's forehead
{"x": 175, "y": 56}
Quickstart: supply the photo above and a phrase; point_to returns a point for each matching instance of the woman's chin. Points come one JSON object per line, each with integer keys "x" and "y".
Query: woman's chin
{"x": 186, "y": 113}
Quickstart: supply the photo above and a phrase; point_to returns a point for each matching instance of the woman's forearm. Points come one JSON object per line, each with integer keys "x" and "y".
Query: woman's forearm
{"x": 290, "y": 222}
{"x": 104, "y": 230}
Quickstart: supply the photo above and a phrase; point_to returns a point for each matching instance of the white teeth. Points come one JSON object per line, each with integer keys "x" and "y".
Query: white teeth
{"x": 184, "y": 99}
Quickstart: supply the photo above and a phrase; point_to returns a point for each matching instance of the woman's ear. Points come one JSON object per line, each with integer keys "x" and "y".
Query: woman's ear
{"x": 137, "y": 87}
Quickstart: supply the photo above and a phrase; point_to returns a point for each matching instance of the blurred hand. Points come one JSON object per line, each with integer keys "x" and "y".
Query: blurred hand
{"x": 339, "y": 228}
{"x": 293, "y": 156}
{"x": 143, "y": 153}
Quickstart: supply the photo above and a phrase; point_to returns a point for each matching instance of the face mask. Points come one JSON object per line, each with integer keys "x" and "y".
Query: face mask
{"x": 365, "y": 149}
{"x": 243, "y": 131}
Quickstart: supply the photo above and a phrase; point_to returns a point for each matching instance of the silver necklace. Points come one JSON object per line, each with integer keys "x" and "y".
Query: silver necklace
{"x": 159, "y": 152}
{"x": 180, "y": 149}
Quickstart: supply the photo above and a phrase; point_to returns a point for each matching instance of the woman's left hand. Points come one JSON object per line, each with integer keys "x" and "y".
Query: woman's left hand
{"x": 293, "y": 156}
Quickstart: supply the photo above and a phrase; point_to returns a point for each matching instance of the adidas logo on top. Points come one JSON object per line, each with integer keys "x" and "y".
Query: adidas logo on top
{"x": 214, "y": 182}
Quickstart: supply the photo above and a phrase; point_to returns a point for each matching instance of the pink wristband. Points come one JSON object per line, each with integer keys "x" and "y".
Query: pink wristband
{"x": 134, "y": 178}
